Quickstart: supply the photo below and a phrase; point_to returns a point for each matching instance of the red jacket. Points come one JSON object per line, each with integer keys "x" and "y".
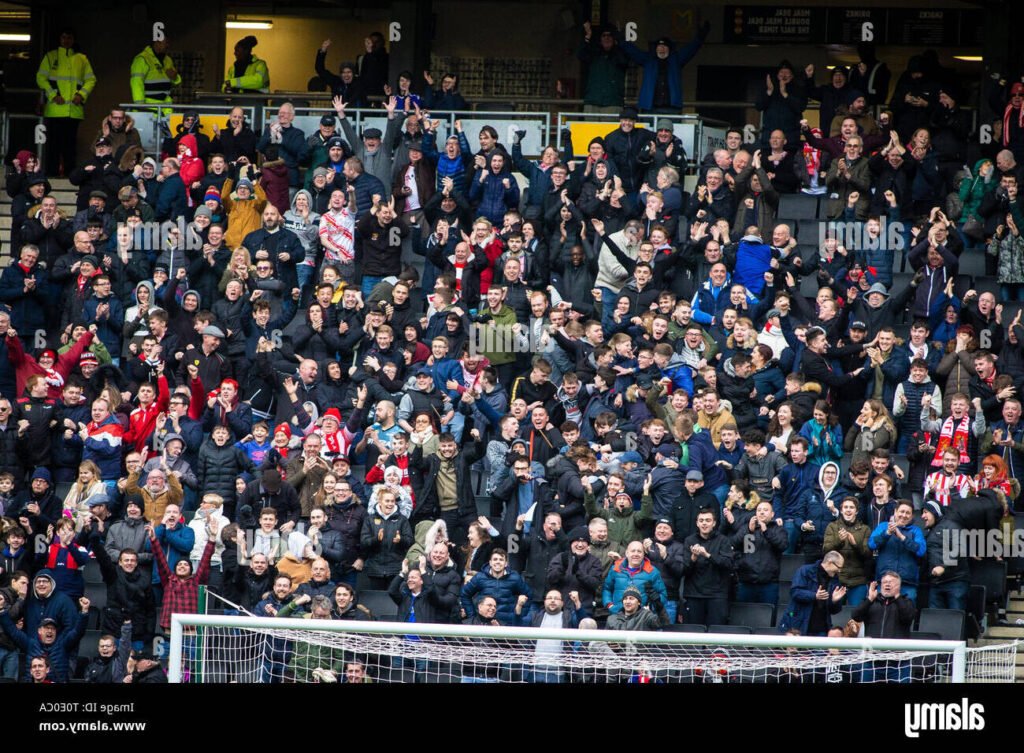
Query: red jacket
{"x": 142, "y": 422}
{"x": 25, "y": 365}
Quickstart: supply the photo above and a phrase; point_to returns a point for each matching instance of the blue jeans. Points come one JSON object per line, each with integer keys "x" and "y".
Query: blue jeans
{"x": 305, "y": 273}
{"x": 1011, "y": 292}
{"x": 608, "y": 300}
{"x": 903, "y": 443}
{"x": 763, "y": 593}
{"x": 369, "y": 283}
{"x": 855, "y": 595}
{"x": 792, "y": 528}
{"x": 671, "y": 609}
{"x": 952, "y": 595}
{"x": 720, "y": 493}
{"x": 456, "y": 426}
{"x": 909, "y": 591}
{"x": 8, "y": 664}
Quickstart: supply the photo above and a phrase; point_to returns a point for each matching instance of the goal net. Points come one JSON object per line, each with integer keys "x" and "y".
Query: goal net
{"x": 246, "y": 649}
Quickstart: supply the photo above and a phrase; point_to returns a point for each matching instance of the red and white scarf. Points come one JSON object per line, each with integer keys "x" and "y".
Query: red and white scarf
{"x": 953, "y": 436}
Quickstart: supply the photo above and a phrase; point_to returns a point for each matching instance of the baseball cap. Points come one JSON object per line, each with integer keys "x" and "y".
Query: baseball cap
{"x": 694, "y": 476}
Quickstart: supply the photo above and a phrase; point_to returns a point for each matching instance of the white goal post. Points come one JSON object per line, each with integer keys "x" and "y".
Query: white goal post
{"x": 216, "y": 648}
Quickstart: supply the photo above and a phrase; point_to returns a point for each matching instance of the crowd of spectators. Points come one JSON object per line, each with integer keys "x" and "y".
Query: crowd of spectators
{"x": 625, "y": 377}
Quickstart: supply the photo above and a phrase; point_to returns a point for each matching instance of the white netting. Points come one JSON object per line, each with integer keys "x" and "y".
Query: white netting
{"x": 265, "y": 653}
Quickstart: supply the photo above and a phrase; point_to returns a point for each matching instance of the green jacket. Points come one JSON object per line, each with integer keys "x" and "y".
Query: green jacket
{"x": 623, "y": 528}
{"x": 308, "y": 657}
{"x": 855, "y": 555}
{"x": 97, "y": 348}
{"x": 496, "y": 342}
{"x": 606, "y": 74}
{"x": 973, "y": 190}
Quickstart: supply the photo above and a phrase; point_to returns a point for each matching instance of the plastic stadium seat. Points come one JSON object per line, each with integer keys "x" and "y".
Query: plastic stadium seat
{"x": 949, "y": 623}
{"x": 992, "y": 575}
{"x": 972, "y": 263}
{"x": 752, "y": 615}
{"x": 766, "y": 631}
{"x": 917, "y": 635}
{"x": 808, "y": 232}
{"x": 92, "y": 574}
{"x": 731, "y": 629}
{"x": 89, "y": 646}
{"x": 798, "y": 206}
{"x": 96, "y": 593}
{"x": 686, "y": 628}
{"x": 844, "y": 615}
{"x": 790, "y": 564}
{"x": 379, "y": 603}
{"x": 784, "y": 586}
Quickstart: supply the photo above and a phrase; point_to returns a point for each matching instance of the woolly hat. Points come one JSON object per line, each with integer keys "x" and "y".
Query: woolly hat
{"x": 212, "y": 194}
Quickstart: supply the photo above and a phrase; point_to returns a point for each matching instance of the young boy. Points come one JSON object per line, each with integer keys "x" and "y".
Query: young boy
{"x": 759, "y": 465}
{"x": 6, "y": 492}
{"x": 257, "y": 444}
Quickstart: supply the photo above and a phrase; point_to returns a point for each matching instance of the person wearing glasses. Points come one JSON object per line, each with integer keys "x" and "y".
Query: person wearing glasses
{"x": 849, "y": 181}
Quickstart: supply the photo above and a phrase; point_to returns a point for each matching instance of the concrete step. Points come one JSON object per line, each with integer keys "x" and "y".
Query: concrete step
{"x": 1006, "y": 633}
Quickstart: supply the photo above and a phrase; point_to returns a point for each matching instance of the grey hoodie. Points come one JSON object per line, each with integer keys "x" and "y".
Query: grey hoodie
{"x": 307, "y": 230}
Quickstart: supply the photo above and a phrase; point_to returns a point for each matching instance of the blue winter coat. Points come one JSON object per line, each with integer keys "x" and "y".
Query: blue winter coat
{"x": 447, "y": 167}
{"x": 677, "y": 58}
{"x": 802, "y": 597}
{"x": 797, "y": 481}
{"x": 445, "y": 369}
{"x": 494, "y": 199}
{"x": 57, "y": 606}
{"x": 109, "y": 328}
{"x": 619, "y": 579}
{"x": 105, "y": 449}
{"x": 506, "y": 590}
{"x": 753, "y": 259}
{"x": 172, "y": 202}
{"x": 703, "y": 457}
{"x": 903, "y": 557}
{"x": 709, "y": 302}
{"x": 177, "y": 545}
{"x": 812, "y": 430}
{"x": 58, "y": 652}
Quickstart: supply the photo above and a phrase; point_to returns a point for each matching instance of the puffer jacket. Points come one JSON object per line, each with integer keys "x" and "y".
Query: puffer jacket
{"x": 1010, "y": 251}
{"x": 129, "y": 595}
{"x": 491, "y": 196}
{"x": 347, "y": 520}
{"x": 903, "y": 557}
{"x": 384, "y": 554}
{"x": 129, "y": 533}
{"x": 506, "y": 590}
{"x": 218, "y": 468}
{"x": 620, "y": 578}
{"x": 585, "y": 574}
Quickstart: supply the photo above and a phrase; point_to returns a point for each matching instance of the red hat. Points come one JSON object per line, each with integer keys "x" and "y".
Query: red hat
{"x": 333, "y": 413}
{"x": 88, "y": 357}
{"x": 212, "y": 194}
{"x": 49, "y": 352}
{"x": 283, "y": 427}
{"x": 1017, "y": 88}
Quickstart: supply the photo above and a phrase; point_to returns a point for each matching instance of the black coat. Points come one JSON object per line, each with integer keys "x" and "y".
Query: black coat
{"x": 567, "y": 572}
{"x": 423, "y": 473}
{"x": 886, "y": 618}
{"x": 285, "y": 501}
{"x": 347, "y": 520}
{"x": 709, "y": 577}
{"x": 427, "y": 607}
{"x": 759, "y": 553}
{"x": 129, "y": 595}
{"x": 539, "y": 552}
{"x": 447, "y": 587}
{"x": 384, "y": 555}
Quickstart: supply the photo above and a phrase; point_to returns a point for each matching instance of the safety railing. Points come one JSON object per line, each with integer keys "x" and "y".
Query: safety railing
{"x": 155, "y": 122}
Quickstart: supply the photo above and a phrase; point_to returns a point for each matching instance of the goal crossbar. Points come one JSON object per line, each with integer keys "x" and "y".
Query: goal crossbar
{"x": 957, "y": 650}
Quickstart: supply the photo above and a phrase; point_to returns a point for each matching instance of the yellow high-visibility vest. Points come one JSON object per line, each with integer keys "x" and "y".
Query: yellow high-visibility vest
{"x": 67, "y": 73}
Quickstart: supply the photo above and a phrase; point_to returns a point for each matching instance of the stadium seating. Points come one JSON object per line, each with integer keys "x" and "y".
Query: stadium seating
{"x": 752, "y": 615}
{"x": 949, "y": 623}
{"x": 379, "y": 604}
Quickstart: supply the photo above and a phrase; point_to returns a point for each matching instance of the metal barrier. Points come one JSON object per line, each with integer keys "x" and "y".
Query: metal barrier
{"x": 155, "y": 122}
{"x": 699, "y": 135}
{"x": 536, "y": 124}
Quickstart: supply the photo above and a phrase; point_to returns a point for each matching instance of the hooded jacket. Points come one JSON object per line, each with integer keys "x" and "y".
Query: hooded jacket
{"x": 506, "y": 591}
{"x": 307, "y": 230}
{"x": 903, "y": 557}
